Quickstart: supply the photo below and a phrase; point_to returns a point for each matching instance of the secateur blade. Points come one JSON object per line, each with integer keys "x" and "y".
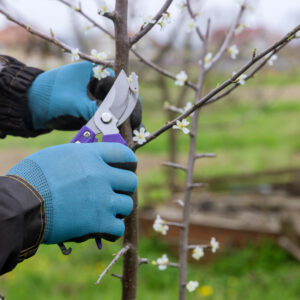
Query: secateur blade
{"x": 119, "y": 102}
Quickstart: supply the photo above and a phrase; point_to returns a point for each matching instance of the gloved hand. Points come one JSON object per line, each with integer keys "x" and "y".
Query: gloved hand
{"x": 62, "y": 98}
{"x": 86, "y": 189}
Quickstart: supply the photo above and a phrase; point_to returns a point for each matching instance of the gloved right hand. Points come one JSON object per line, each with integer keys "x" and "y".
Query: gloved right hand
{"x": 85, "y": 187}
{"x": 65, "y": 98}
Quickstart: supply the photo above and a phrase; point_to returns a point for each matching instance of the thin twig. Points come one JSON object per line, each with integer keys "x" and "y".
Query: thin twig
{"x": 81, "y": 12}
{"x": 284, "y": 41}
{"x": 205, "y": 155}
{"x": 137, "y": 54}
{"x": 118, "y": 255}
{"x": 229, "y": 36}
{"x": 110, "y": 15}
{"x": 117, "y": 276}
{"x": 55, "y": 41}
{"x": 194, "y": 17}
{"x": 145, "y": 29}
{"x": 143, "y": 261}
{"x": 175, "y": 224}
{"x": 196, "y": 185}
{"x": 251, "y": 75}
{"x": 159, "y": 69}
{"x": 201, "y": 246}
{"x": 173, "y": 265}
{"x": 174, "y": 165}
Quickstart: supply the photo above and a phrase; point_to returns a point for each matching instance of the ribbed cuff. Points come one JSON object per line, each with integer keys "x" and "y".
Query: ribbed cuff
{"x": 32, "y": 173}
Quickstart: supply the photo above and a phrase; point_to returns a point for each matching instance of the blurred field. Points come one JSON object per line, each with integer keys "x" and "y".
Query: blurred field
{"x": 255, "y": 129}
{"x": 255, "y": 272}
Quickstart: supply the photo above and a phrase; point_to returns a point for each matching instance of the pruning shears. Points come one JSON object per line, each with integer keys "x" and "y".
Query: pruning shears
{"x": 115, "y": 109}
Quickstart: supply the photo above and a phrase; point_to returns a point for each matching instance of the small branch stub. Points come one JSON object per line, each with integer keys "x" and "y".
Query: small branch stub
{"x": 175, "y": 165}
{"x": 143, "y": 261}
{"x": 175, "y": 224}
{"x": 205, "y": 155}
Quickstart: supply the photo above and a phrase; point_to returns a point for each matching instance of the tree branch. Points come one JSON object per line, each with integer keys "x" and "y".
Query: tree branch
{"x": 144, "y": 30}
{"x": 229, "y": 36}
{"x": 55, "y": 41}
{"x": 201, "y": 246}
{"x": 117, "y": 276}
{"x": 119, "y": 254}
{"x": 175, "y": 224}
{"x": 81, "y": 12}
{"x": 282, "y": 42}
{"x": 173, "y": 265}
{"x": 110, "y": 15}
{"x": 196, "y": 185}
{"x": 205, "y": 155}
{"x": 159, "y": 69}
{"x": 138, "y": 55}
{"x": 251, "y": 75}
{"x": 194, "y": 17}
{"x": 175, "y": 165}
{"x": 143, "y": 261}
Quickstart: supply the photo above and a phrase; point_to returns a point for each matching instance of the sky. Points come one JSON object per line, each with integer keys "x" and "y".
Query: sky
{"x": 274, "y": 14}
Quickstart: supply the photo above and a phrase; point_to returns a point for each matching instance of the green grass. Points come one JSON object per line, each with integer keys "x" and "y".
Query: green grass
{"x": 254, "y": 272}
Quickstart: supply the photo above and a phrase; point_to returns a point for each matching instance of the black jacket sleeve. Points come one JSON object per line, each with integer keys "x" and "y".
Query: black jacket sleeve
{"x": 15, "y": 79}
{"x": 22, "y": 221}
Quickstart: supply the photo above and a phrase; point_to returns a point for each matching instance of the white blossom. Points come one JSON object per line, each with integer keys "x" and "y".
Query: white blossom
{"x": 233, "y": 51}
{"x": 100, "y": 72}
{"x": 103, "y": 9}
{"x": 242, "y": 79}
{"x": 214, "y": 245}
{"x": 98, "y": 55}
{"x": 148, "y": 20}
{"x": 75, "y": 54}
{"x": 181, "y": 78}
{"x": 188, "y": 106}
{"x": 191, "y": 26}
{"x": 162, "y": 262}
{"x": 160, "y": 225}
{"x": 182, "y": 126}
{"x": 140, "y": 135}
{"x": 181, "y": 4}
{"x": 207, "y": 60}
{"x": 198, "y": 252}
{"x": 164, "y": 20}
{"x": 239, "y": 28}
{"x": 192, "y": 285}
{"x": 272, "y": 59}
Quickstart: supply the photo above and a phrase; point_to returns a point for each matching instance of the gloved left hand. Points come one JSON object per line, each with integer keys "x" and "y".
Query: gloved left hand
{"x": 64, "y": 98}
{"x": 85, "y": 188}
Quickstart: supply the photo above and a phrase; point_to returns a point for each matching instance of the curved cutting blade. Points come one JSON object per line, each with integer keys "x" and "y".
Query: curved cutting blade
{"x": 119, "y": 102}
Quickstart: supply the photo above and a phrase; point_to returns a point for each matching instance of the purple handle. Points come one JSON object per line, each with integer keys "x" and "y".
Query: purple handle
{"x": 114, "y": 138}
{"x": 86, "y": 135}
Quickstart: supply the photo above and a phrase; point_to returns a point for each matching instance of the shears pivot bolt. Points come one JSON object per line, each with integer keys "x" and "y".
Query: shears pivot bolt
{"x": 106, "y": 117}
{"x": 86, "y": 134}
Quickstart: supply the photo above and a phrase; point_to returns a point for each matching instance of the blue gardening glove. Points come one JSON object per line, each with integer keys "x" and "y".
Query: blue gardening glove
{"x": 85, "y": 187}
{"x": 62, "y": 98}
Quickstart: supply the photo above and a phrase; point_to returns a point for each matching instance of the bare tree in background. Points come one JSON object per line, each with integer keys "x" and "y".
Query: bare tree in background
{"x": 123, "y": 45}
